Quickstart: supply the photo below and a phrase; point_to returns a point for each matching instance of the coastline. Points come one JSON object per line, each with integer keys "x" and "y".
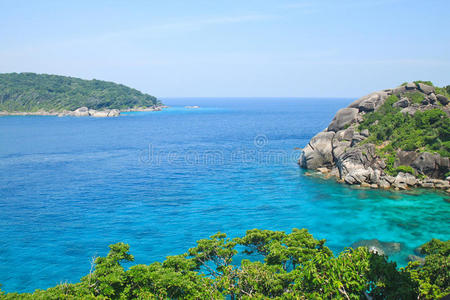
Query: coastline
{"x": 398, "y": 182}
{"x": 82, "y": 112}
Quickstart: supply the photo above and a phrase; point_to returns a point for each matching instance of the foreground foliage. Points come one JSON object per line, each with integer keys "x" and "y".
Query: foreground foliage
{"x": 32, "y": 92}
{"x": 284, "y": 266}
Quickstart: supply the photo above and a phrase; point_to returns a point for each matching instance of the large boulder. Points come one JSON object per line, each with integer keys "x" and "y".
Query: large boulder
{"x": 442, "y": 99}
{"x": 432, "y": 98}
{"x": 411, "y": 86}
{"x": 343, "y": 118}
{"x": 425, "y": 88}
{"x": 410, "y": 110}
{"x": 399, "y": 90}
{"x": 114, "y": 113}
{"x": 405, "y": 158}
{"x": 404, "y": 102}
{"x": 318, "y": 153}
{"x": 432, "y": 165}
{"x": 81, "y": 112}
{"x": 358, "y": 176}
{"x": 370, "y": 102}
{"x": 98, "y": 113}
{"x": 355, "y": 158}
{"x": 405, "y": 179}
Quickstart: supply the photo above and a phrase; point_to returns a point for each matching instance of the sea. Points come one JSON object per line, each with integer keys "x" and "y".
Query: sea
{"x": 160, "y": 181}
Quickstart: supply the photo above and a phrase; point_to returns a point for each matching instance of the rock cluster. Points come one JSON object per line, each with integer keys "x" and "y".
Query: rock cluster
{"x": 338, "y": 151}
{"x": 85, "y": 112}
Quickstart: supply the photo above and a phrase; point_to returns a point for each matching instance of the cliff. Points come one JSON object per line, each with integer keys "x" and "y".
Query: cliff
{"x": 394, "y": 138}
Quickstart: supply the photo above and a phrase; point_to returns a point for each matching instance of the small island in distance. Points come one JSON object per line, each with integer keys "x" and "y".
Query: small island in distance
{"x": 43, "y": 94}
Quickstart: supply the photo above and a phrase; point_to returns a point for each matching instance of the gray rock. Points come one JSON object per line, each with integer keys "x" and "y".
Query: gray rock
{"x": 441, "y": 184}
{"x": 369, "y": 104}
{"x": 358, "y": 176}
{"x": 318, "y": 153}
{"x": 428, "y": 185}
{"x": 386, "y": 248}
{"x": 412, "y": 257}
{"x": 114, "y": 113}
{"x": 425, "y": 101}
{"x": 404, "y": 102}
{"x": 432, "y": 98}
{"x": 432, "y": 165}
{"x": 410, "y": 110}
{"x": 389, "y": 178}
{"x": 442, "y": 99}
{"x": 405, "y": 179}
{"x": 418, "y": 250}
{"x": 405, "y": 158}
{"x": 356, "y": 139}
{"x": 425, "y": 88}
{"x": 365, "y": 132}
{"x": 344, "y": 117}
{"x": 81, "y": 112}
{"x": 399, "y": 90}
{"x": 355, "y": 158}
{"x": 410, "y": 86}
{"x": 98, "y": 113}
{"x": 384, "y": 184}
{"x": 348, "y": 134}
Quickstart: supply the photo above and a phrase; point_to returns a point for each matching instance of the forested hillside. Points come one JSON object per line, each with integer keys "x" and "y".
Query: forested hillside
{"x": 30, "y": 92}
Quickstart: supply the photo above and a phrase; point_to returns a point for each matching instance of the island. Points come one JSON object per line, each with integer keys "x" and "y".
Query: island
{"x": 395, "y": 138}
{"x": 43, "y": 94}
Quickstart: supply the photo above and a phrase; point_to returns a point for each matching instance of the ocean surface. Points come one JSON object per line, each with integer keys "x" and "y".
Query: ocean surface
{"x": 69, "y": 187}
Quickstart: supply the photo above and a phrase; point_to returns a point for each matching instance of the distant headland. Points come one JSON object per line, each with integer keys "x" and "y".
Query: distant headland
{"x": 395, "y": 138}
{"x": 43, "y": 94}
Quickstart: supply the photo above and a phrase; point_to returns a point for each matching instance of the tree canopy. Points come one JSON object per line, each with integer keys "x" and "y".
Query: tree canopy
{"x": 30, "y": 92}
{"x": 278, "y": 265}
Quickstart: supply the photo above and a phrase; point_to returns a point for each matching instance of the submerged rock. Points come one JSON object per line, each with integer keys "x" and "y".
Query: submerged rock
{"x": 412, "y": 257}
{"x": 377, "y": 246}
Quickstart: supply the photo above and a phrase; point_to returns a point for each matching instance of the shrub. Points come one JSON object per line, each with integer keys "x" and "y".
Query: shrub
{"x": 292, "y": 266}
{"x": 405, "y": 169}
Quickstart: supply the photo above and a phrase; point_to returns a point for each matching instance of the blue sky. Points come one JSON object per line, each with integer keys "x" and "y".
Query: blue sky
{"x": 231, "y": 48}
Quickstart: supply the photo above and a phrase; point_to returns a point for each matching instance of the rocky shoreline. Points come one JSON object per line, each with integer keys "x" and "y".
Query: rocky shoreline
{"x": 340, "y": 151}
{"x": 83, "y": 112}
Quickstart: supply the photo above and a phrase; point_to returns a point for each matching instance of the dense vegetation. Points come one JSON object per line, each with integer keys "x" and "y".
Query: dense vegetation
{"x": 284, "y": 266}
{"x": 391, "y": 130}
{"x": 32, "y": 92}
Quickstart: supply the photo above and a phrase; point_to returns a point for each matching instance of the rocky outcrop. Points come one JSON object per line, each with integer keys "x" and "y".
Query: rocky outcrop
{"x": 318, "y": 152}
{"x": 343, "y": 118}
{"x": 339, "y": 148}
{"x": 82, "y": 112}
{"x": 85, "y": 112}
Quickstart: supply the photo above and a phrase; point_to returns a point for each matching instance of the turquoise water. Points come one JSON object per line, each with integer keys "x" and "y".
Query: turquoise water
{"x": 162, "y": 180}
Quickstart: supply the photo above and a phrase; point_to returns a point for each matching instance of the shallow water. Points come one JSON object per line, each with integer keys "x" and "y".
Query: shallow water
{"x": 162, "y": 180}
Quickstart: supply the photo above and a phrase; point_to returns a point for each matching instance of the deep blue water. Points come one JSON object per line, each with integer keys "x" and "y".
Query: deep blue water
{"x": 162, "y": 180}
